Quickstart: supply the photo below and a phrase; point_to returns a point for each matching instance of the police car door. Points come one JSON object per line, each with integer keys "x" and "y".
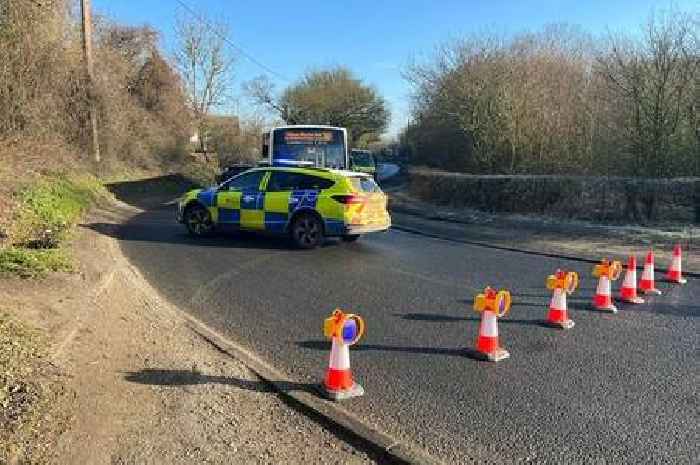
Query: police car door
{"x": 253, "y": 201}
{"x": 240, "y": 201}
{"x": 277, "y": 199}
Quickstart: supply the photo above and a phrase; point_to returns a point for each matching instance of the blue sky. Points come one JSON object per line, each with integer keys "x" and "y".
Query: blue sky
{"x": 373, "y": 38}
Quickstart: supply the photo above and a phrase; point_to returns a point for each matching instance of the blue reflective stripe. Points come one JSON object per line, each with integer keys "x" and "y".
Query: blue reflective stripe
{"x": 208, "y": 197}
{"x": 275, "y": 222}
{"x": 229, "y": 215}
{"x": 334, "y": 227}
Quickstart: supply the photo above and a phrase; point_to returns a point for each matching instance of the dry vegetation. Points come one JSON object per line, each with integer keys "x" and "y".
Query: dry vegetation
{"x": 47, "y": 180}
{"x": 143, "y": 119}
{"x": 561, "y": 102}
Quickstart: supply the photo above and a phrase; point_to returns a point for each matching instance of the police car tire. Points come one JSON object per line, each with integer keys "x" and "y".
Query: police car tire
{"x": 350, "y": 237}
{"x": 191, "y": 210}
{"x": 306, "y": 231}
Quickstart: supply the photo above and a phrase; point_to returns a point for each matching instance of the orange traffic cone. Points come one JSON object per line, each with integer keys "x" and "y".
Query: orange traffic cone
{"x": 603, "y": 299}
{"x": 557, "y": 315}
{"x": 628, "y": 292}
{"x": 561, "y": 283}
{"x": 487, "y": 343}
{"x": 492, "y": 305}
{"x": 646, "y": 284}
{"x": 338, "y": 382}
{"x": 674, "y": 273}
{"x": 344, "y": 330}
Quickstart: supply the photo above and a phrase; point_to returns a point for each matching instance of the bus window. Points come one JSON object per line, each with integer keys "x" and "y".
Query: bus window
{"x": 318, "y": 146}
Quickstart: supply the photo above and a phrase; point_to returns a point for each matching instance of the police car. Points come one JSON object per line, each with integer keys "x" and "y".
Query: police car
{"x": 305, "y": 203}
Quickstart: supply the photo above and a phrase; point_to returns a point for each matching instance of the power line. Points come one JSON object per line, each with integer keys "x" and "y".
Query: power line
{"x": 223, "y": 37}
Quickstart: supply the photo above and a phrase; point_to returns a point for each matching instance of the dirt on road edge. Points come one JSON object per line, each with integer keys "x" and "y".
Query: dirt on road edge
{"x": 139, "y": 386}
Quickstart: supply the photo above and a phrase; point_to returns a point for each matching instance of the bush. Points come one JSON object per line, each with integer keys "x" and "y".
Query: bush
{"x": 580, "y": 197}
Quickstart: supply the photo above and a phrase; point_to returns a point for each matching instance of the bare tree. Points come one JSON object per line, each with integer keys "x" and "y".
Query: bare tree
{"x": 205, "y": 66}
{"x": 652, "y": 79}
{"x": 262, "y": 92}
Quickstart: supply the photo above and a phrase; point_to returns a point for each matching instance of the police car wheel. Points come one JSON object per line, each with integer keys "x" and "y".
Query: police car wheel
{"x": 307, "y": 231}
{"x": 198, "y": 221}
{"x": 350, "y": 237}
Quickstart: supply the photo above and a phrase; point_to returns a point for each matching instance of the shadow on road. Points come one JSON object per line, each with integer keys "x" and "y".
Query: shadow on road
{"x": 140, "y": 230}
{"x": 453, "y": 352}
{"x": 161, "y": 377}
{"x": 152, "y": 192}
{"x": 436, "y": 318}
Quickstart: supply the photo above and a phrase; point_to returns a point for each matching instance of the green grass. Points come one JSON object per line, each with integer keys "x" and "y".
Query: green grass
{"x": 29, "y": 263}
{"x": 48, "y": 211}
{"x": 55, "y": 204}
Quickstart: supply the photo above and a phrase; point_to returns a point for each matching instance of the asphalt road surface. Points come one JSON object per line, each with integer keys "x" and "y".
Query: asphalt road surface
{"x": 615, "y": 389}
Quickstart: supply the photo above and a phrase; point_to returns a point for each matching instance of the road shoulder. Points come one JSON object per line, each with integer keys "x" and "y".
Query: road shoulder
{"x": 545, "y": 236}
{"x": 139, "y": 386}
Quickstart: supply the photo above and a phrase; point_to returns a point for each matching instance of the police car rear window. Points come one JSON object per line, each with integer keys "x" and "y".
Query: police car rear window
{"x": 364, "y": 184}
{"x": 286, "y": 181}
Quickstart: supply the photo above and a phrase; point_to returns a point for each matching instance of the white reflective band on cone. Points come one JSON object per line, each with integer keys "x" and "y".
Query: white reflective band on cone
{"x": 489, "y": 327}
{"x": 630, "y": 279}
{"x": 603, "y": 286}
{"x": 340, "y": 356}
{"x": 558, "y": 299}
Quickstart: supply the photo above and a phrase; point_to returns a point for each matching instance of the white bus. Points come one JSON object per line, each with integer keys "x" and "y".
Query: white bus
{"x": 311, "y": 145}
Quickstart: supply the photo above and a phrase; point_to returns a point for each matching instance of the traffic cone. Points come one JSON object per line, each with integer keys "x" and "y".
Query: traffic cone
{"x": 646, "y": 284}
{"x": 674, "y": 273}
{"x": 557, "y": 315}
{"x": 603, "y": 299}
{"x": 487, "y": 343}
{"x": 338, "y": 383}
{"x": 628, "y": 292}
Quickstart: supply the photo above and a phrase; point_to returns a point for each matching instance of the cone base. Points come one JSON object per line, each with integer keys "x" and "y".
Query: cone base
{"x": 354, "y": 391}
{"x": 652, "y": 291}
{"x": 609, "y": 308}
{"x": 633, "y": 300}
{"x": 677, "y": 281}
{"x": 495, "y": 356}
{"x": 566, "y": 324}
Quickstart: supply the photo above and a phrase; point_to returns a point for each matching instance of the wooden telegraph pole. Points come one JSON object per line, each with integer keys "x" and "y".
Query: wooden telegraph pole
{"x": 87, "y": 49}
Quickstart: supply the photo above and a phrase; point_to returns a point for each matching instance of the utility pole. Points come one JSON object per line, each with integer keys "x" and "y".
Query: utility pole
{"x": 87, "y": 49}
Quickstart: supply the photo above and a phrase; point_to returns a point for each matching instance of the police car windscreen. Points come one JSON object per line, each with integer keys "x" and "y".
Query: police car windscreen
{"x": 322, "y": 147}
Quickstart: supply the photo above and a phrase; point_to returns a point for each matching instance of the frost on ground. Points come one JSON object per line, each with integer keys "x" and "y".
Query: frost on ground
{"x": 551, "y": 235}
{"x": 141, "y": 387}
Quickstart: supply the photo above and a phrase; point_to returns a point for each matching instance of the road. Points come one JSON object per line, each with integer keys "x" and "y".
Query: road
{"x": 615, "y": 389}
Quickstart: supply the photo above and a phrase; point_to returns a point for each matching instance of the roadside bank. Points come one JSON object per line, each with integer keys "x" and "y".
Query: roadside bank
{"x": 128, "y": 381}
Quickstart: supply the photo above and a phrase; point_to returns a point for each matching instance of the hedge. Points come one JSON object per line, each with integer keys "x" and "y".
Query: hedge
{"x": 609, "y": 199}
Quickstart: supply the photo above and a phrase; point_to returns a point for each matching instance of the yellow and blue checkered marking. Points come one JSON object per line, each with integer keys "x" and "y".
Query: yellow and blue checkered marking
{"x": 270, "y": 211}
{"x": 208, "y": 197}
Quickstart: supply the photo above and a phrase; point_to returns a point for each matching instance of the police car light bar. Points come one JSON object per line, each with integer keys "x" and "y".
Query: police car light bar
{"x": 288, "y": 162}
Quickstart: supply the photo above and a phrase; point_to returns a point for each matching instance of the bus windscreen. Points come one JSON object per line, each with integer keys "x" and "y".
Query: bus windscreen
{"x": 318, "y": 146}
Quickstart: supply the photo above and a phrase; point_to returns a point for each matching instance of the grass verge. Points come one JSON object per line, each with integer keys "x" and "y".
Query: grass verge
{"x": 47, "y": 213}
